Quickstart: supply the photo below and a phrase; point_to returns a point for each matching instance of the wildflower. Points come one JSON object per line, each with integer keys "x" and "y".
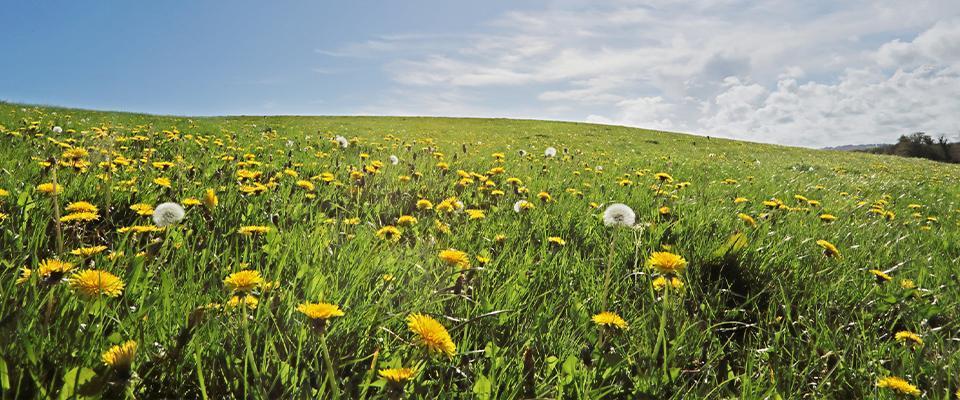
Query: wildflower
{"x": 898, "y": 385}
{"x": 619, "y": 215}
{"x": 476, "y": 214}
{"x": 907, "y": 284}
{"x": 523, "y": 205}
{"x": 880, "y": 275}
{"x": 907, "y": 336}
{"x": 544, "y": 197}
{"x": 406, "y": 220}
{"x": 424, "y": 204}
{"x": 88, "y": 251}
{"x": 53, "y": 269}
{"x": 319, "y": 313}
{"x": 162, "y": 182}
{"x": 49, "y": 189}
{"x": 341, "y": 141}
{"x": 829, "y": 249}
{"x": 397, "y": 376}
{"x": 120, "y": 357}
{"x": 253, "y": 230}
{"x": 243, "y": 281}
{"x": 432, "y": 334}
{"x": 739, "y": 200}
{"x": 210, "y": 199}
{"x": 394, "y": 160}
{"x": 191, "y": 202}
{"x": 167, "y": 214}
{"x": 306, "y": 185}
{"x": 663, "y": 177}
{"x": 91, "y": 283}
{"x": 79, "y": 217}
{"x": 747, "y": 220}
{"x": 549, "y": 152}
{"x": 661, "y": 282}
{"x": 556, "y": 241}
{"x": 142, "y": 209}
{"x": 455, "y": 257}
{"x": 609, "y": 319}
{"x": 250, "y": 301}
{"x": 667, "y": 263}
{"x": 81, "y": 206}
{"x": 828, "y": 217}
{"x": 389, "y": 233}
{"x": 25, "y": 274}
{"x": 441, "y": 227}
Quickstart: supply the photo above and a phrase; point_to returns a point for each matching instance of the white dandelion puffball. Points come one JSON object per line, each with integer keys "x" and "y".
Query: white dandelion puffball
{"x": 522, "y": 153}
{"x": 57, "y": 129}
{"x": 518, "y": 206}
{"x": 619, "y": 214}
{"x": 167, "y": 214}
{"x": 342, "y": 141}
{"x": 394, "y": 160}
{"x": 550, "y": 152}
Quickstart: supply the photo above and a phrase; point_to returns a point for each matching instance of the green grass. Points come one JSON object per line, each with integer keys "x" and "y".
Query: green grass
{"x": 763, "y": 312}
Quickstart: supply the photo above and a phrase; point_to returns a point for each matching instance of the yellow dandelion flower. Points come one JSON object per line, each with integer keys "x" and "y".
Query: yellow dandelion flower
{"x": 898, "y": 385}
{"x": 609, "y": 319}
{"x": 663, "y": 177}
{"x": 191, "y": 202}
{"x": 53, "y": 268}
{"x": 49, "y": 189}
{"x": 431, "y": 334}
{"x": 250, "y": 301}
{"x": 210, "y": 199}
{"x": 908, "y": 284}
{"x": 142, "y": 209}
{"x": 120, "y": 357}
{"x": 79, "y": 217}
{"x": 880, "y": 275}
{"x": 243, "y": 281}
{"x": 81, "y": 206}
{"x": 747, "y": 220}
{"x": 424, "y": 204}
{"x": 320, "y": 311}
{"x": 556, "y": 241}
{"x": 476, "y": 214}
{"x": 389, "y": 233}
{"x": 661, "y": 282}
{"x": 829, "y": 249}
{"x": 90, "y": 283}
{"x": 162, "y": 182}
{"x": 88, "y": 251}
{"x": 253, "y": 230}
{"x": 397, "y": 376}
{"x": 828, "y": 217}
{"x": 907, "y": 336}
{"x": 667, "y": 263}
{"x": 406, "y": 220}
{"x": 455, "y": 257}
{"x": 25, "y": 274}
{"x": 739, "y": 200}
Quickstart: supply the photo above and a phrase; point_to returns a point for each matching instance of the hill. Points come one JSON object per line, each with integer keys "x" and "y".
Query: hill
{"x": 323, "y": 256}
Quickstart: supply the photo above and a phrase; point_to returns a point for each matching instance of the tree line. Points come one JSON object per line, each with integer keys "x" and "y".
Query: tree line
{"x": 922, "y": 145}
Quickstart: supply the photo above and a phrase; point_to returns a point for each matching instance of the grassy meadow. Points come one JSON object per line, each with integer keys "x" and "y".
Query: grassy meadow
{"x": 474, "y": 266}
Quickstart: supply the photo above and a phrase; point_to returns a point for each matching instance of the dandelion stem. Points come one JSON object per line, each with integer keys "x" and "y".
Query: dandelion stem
{"x": 331, "y": 376}
{"x": 56, "y": 209}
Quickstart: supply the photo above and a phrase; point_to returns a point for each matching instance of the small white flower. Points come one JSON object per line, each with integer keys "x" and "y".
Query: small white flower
{"x": 167, "y": 214}
{"x": 394, "y": 160}
{"x": 550, "y": 152}
{"x": 619, "y": 214}
{"x": 57, "y": 129}
{"x": 342, "y": 141}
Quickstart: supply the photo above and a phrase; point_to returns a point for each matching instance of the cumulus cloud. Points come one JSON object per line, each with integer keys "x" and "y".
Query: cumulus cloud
{"x": 812, "y": 73}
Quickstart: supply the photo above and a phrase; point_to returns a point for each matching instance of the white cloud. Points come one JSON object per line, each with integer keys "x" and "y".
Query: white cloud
{"x": 804, "y": 73}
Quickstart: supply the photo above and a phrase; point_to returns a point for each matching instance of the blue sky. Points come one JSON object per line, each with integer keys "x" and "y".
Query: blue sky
{"x": 807, "y": 73}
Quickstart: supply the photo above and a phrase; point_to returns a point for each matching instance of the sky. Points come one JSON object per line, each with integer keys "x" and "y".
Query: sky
{"x": 805, "y": 73}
